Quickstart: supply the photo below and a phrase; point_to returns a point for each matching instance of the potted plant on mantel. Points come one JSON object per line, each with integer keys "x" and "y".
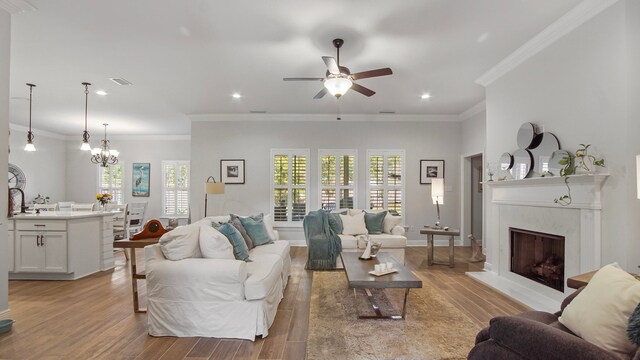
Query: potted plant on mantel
{"x": 583, "y": 162}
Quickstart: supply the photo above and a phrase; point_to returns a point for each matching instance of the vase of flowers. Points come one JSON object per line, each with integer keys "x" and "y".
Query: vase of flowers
{"x": 104, "y": 199}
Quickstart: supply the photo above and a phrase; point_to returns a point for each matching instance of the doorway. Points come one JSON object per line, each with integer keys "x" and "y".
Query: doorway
{"x": 471, "y": 206}
{"x": 476, "y": 196}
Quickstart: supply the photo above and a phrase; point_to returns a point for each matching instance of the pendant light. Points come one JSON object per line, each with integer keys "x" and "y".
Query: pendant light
{"x": 104, "y": 156}
{"x": 85, "y": 135}
{"x": 30, "y": 146}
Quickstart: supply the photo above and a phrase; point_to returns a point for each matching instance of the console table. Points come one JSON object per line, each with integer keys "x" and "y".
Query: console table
{"x": 133, "y": 245}
{"x": 430, "y": 232}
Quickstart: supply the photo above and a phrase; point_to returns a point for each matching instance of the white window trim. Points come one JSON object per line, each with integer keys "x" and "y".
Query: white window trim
{"x": 289, "y": 152}
{"x": 110, "y": 188}
{"x": 175, "y": 163}
{"x": 385, "y": 187}
{"x": 337, "y": 186}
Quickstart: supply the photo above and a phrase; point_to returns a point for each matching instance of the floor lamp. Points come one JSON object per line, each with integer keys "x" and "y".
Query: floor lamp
{"x": 211, "y": 187}
{"x": 437, "y": 195}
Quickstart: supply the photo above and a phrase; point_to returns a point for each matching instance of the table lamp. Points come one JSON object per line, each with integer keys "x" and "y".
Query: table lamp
{"x": 211, "y": 187}
{"x": 437, "y": 195}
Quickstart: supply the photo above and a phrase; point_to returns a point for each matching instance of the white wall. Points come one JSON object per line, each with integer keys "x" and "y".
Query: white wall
{"x": 5, "y": 46}
{"x": 253, "y": 140}
{"x": 577, "y": 88}
{"x": 474, "y": 134}
{"x": 44, "y": 168}
{"x": 82, "y": 175}
{"x": 633, "y": 116}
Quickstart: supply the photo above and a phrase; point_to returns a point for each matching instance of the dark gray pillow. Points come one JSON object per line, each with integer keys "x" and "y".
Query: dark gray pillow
{"x": 374, "y": 222}
{"x": 335, "y": 223}
{"x": 235, "y": 221}
{"x": 633, "y": 330}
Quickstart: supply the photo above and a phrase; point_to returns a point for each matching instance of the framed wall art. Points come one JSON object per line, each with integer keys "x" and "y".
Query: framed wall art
{"x": 232, "y": 171}
{"x": 141, "y": 174}
{"x": 431, "y": 169}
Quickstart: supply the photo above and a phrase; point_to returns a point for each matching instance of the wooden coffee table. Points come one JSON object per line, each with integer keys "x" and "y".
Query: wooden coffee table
{"x": 358, "y": 276}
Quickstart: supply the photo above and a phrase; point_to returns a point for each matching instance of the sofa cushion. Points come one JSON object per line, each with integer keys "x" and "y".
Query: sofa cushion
{"x": 335, "y": 223}
{"x": 353, "y": 225}
{"x": 256, "y": 229}
{"x": 235, "y": 221}
{"x": 213, "y": 244}
{"x": 387, "y": 240}
{"x": 600, "y": 313}
{"x": 268, "y": 223}
{"x": 240, "y": 250}
{"x": 348, "y": 241}
{"x": 280, "y": 248}
{"x": 352, "y": 212}
{"x": 262, "y": 274}
{"x": 374, "y": 222}
{"x": 182, "y": 242}
{"x": 391, "y": 221}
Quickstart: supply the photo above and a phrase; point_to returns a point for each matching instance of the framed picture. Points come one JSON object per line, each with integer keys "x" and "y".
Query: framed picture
{"x": 140, "y": 177}
{"x": 232, "y": 171}
{"x": 431, "y": 169}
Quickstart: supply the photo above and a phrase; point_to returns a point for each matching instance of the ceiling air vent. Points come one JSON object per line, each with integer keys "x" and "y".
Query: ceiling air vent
{"x": 387, "y": 112}
{"x": 120, "y": 81}
{"x": 258, "y": 111}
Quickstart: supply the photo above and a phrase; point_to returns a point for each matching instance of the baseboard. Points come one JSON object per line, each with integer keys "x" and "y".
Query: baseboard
{"x": 5, "y": 315}
{"x": 415, "y": 243}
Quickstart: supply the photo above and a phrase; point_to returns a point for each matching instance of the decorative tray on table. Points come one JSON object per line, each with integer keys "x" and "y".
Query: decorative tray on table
{"x": 386, "y": 272}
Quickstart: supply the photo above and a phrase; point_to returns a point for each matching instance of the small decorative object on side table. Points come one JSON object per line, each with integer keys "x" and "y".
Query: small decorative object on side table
{"x": 446, "y": 231}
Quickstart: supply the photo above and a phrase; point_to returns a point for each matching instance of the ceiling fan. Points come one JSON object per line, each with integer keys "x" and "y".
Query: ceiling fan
{"x": 338, "y": 79}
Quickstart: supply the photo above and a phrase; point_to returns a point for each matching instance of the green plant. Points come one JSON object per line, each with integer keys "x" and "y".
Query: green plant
{"x": 580, "y": 161}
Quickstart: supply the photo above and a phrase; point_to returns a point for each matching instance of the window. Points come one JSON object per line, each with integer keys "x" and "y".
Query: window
{"x": 385, "y": 183}
{"x": 337, "y": 184}
{"x": 175, "y": 189}
{"x": 289, "y": 185}
{"x": 110, "y": 181}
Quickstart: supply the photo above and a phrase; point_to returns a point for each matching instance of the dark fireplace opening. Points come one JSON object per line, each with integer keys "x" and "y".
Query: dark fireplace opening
{"x": 538, "y": 256}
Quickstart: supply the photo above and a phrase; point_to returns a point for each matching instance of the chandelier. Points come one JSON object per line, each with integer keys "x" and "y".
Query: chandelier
{"x": 104, "y": 156}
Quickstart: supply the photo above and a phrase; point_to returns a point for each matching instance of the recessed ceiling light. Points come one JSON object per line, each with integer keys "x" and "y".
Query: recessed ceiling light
{"x": 236, "y": 95}
{"x": 425, "y": 96}
{"x": 101, "y": 92}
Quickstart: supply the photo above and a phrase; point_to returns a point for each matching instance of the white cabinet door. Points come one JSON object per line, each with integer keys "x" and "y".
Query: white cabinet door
{"x": 55, "y": 251}
{"x": 29, "y": 256}
{"x": 10, "y": 250}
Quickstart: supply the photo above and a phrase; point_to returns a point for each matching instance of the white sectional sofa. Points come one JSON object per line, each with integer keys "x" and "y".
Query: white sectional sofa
{"x": 220, "y": 298}
{"x": 393, "y": 242}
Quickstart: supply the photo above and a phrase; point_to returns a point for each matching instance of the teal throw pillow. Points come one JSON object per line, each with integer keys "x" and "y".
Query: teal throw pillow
{"x": 374, "y": 222}
{"x": 335, "y": 222}
{"x": 235, "y": 221}
{"x": 240, "y": 249}
{"x": 254, "y": 225}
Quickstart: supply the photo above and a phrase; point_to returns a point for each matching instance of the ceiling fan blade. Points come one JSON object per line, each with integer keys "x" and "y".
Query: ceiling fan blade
{"x": 332, "y": 65}
{"x": 371, "y": 73}
{"x": 321, "y": 94}
{"x": 362, "y": 90}
{"x": 303, "y": 79}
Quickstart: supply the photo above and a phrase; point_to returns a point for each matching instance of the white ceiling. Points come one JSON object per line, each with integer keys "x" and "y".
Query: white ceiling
{"x": 188, "y": 57}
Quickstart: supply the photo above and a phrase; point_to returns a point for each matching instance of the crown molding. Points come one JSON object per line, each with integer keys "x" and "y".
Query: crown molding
{"x": 37, "y": 132}
{"x": 149, "y": 137}
{"x": 577, "y": 16}
{"x": 473, "y": 111}
{"x": 16, "y": 6}
{"x": 322, "y": 117}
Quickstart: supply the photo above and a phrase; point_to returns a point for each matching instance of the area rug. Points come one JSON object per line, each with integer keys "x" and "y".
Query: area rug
{"x": 434, "y": 329}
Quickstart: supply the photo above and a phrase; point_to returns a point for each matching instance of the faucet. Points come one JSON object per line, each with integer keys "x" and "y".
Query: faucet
{"x": 23, "y": 206}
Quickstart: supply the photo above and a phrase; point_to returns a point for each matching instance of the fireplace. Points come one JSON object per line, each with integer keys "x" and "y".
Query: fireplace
{"x": 538, "y": 256}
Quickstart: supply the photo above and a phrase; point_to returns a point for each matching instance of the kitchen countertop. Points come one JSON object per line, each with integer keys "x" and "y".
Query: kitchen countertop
{"x": 62, "y": 215}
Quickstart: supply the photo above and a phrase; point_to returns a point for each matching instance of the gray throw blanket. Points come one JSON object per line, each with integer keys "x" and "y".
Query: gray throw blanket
{"x": 323, "y": 244}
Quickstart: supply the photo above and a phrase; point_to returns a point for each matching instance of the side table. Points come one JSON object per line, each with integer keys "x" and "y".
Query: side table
{"x": 133, "y": 245}
{"x": 430, "y": 232}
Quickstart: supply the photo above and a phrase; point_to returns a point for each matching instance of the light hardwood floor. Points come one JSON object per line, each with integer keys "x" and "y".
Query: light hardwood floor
{"x": 93, "y": 317}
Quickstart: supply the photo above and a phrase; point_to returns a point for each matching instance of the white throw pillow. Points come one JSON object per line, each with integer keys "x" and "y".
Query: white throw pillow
{"x": 213, "y": 244}
{"x": 390, "y": 222}
{"x": 268, "y": 223}
{"x": 354, "y": 225}
{"x": 353, "y": 212}
{"x": 600, "y": 313}
{"x": 181, "y": 243}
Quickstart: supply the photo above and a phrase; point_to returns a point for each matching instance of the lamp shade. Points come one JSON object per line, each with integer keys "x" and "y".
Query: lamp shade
{"x": 214, "y": 188}
{"x": 437, "y": 190}
{"x": 338, "y": 86}
{"x": 638, "y": 173}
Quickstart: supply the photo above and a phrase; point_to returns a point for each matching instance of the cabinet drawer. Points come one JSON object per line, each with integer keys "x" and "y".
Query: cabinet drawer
{"x": 41, "y": 225}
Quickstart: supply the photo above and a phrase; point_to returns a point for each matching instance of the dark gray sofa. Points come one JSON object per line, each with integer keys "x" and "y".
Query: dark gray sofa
{"x": 535, "y": 335}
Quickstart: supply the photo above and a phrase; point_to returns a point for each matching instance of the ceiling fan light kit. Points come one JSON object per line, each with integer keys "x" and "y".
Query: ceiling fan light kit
{"x": 29, "y": 146}
{"x": 339, "y": 79}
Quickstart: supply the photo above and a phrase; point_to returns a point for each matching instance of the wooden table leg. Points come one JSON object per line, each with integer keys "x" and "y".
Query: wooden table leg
{"x": 134, "y": 282}
{"x": 451, "y": 247}
{"x": 429, "y": 249}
